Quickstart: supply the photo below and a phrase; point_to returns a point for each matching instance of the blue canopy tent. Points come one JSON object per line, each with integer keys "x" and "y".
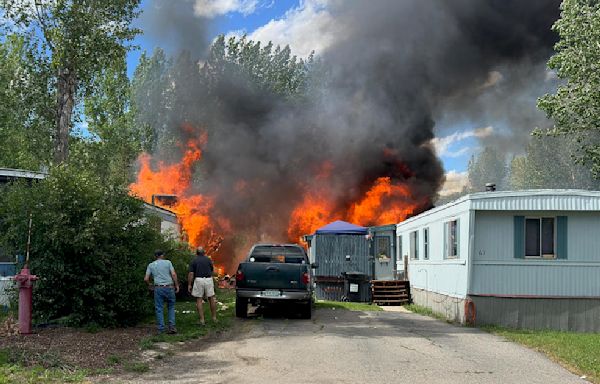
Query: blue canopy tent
{"x": 341, "y": 228}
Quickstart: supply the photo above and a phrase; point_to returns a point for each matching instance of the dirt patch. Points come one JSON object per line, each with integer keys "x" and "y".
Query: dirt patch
{"x": 61, "y": 346}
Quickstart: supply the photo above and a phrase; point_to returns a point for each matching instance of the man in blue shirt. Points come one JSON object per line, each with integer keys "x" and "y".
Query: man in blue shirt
{"x": 165, "y": 286}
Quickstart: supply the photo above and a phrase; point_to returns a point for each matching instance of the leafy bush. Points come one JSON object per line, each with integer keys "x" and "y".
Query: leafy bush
{"x": 90, "y": 244}
{"x": 181, "y": 256}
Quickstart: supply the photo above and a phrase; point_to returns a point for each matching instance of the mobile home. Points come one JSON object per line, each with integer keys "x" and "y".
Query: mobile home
{"x": 528, "y": 259}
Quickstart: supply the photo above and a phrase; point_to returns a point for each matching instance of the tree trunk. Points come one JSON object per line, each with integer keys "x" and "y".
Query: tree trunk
{"x": 65, "y": 103}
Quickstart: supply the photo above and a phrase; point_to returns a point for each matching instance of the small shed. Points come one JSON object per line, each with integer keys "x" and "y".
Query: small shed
{"x": 525, "y": 259}
{"x": 338, "y": 248}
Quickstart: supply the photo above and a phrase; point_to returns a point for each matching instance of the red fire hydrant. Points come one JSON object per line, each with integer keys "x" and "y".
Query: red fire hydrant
{"x": 25, "y": 281}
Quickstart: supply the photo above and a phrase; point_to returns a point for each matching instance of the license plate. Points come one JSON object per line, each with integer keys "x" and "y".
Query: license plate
{"x": 272, "y": 293}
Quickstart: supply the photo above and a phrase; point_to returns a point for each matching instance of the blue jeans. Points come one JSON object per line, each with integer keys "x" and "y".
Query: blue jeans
{"x": 162, "y": 294}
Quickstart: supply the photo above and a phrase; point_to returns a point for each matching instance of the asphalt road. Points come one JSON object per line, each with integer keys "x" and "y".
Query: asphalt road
{"x": 339, "y": 346}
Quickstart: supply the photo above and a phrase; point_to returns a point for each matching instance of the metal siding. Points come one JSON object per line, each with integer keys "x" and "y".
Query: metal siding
{"x": 538, "y": 201}
{"x": 496, "y": 271}
{"x": 519, "y": 237}
{"x": 331, "y": 251}
{"x": 440, "y": 275}
{"x": 536, "y": 278}
{"x": 560, "y": 314}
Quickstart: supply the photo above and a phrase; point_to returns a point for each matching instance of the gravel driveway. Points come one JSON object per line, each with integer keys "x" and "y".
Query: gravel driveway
{"x": 339, "y": 346}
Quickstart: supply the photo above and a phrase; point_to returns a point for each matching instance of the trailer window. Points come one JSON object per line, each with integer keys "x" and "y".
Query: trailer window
{"x": 414, "y": 245}
{"x": 451, "y": 239}
{"x": 539, "y": 237}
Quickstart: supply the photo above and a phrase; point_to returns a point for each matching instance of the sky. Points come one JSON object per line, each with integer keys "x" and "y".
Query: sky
{"x": 305, "y": 25}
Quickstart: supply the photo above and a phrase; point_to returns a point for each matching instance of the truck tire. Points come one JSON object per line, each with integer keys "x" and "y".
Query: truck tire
{"x": 306, "y": 310}
{"x": 241, "y": 307}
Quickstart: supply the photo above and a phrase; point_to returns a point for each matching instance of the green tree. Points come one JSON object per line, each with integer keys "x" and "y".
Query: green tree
{"x": 575, "y": 107}
{"x": 488, "y": 167}
{"x": 266, "y": 68}
{"x": 149, "y": 92}
{"x": 169, "y": 91}
{"x": 548, "y": 163}
{"x": 79, "y": 38}
{"x": 90, "y": 244}
{"x": 26, "y": 113}
{"x": 116, "y": 140}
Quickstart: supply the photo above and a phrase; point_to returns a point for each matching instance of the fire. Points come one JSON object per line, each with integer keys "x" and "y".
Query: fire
{"x": 312, "y": 213}
{"x": 384, "y": 203}
{"x": 317, "y": 207}
{"x": 193, "y": 210}
{"x": 387, "y": 201}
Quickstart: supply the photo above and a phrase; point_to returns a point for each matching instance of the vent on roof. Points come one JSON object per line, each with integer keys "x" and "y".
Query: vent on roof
{"x": 490, "y": 187}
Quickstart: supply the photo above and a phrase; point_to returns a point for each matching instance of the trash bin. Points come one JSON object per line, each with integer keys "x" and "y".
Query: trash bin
{"x": 357, "y": 287}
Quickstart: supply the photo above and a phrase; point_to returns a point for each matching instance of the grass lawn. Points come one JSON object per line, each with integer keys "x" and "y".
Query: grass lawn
{"x": 347, "y": 305}
{"x": 12, "y": 371}
{"x": 187, "y": 318}
{"x": 426, "y": 312}
{"x": 579, "y": 352}
{"x": 46, "y": 367}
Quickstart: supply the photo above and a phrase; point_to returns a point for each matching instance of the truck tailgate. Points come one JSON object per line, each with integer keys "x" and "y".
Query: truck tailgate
{"x": 273, "y": 276}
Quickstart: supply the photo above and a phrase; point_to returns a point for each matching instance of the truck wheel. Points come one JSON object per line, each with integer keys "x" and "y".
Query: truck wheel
{"x": 306, "y": 310}
{"x": 241, "y": 307}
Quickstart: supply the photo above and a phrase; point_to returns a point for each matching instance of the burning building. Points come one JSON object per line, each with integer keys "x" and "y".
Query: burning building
{"x": 254, "y": 156}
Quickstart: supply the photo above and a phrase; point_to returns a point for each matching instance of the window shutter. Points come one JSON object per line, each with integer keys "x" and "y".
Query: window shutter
{"x": 561, "y": 237}
{"x": 519, "y": 237}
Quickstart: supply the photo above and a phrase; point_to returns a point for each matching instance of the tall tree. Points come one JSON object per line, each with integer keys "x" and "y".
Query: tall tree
{"x": 78, "y": 38}
{"x": 167, "y": 91}
{"x": 488, "y": 167}
{"x": 548, "y": 163}
{"x": 575, "y": 107}
{"x": 26, "y": 108}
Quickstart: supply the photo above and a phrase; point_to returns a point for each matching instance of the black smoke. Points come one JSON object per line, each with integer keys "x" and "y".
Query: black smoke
{"x": 394, "y": 67}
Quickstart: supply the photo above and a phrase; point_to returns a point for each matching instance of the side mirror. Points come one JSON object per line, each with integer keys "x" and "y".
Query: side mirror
{"x": 314, "y": 265}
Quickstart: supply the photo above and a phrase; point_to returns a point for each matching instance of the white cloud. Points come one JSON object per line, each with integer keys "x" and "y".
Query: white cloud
{"x": 308, "y": 27}
{"x": 442, "y": 144}
{"x": 455, "y": 182}
{"x": 212, "y": 8}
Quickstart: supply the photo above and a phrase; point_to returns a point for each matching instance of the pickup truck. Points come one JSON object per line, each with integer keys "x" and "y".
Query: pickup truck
{"x": 275, "y": 274}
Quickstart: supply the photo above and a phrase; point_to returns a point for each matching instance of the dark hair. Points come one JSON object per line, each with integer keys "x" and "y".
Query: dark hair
{"x": 200, "y": 251}
{"x": 158, "y": 253}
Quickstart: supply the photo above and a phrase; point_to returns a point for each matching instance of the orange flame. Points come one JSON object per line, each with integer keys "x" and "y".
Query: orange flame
{"x": 193, "y": 210}
{"x": 385, "y": 202}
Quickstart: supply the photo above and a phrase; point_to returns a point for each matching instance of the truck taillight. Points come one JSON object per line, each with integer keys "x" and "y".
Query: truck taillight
{"x": 305, "y": 278}
{"x": 239, "y": 276}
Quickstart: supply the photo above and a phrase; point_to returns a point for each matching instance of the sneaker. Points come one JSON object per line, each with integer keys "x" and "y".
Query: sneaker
{"x": 172, "y": 330}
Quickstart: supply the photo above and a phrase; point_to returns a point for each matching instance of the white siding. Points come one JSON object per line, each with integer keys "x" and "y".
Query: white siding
{"x": 438, "y": 274}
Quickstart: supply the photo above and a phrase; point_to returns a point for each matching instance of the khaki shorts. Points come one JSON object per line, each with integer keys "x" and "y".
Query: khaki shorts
{"x": 203, "y": 287}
